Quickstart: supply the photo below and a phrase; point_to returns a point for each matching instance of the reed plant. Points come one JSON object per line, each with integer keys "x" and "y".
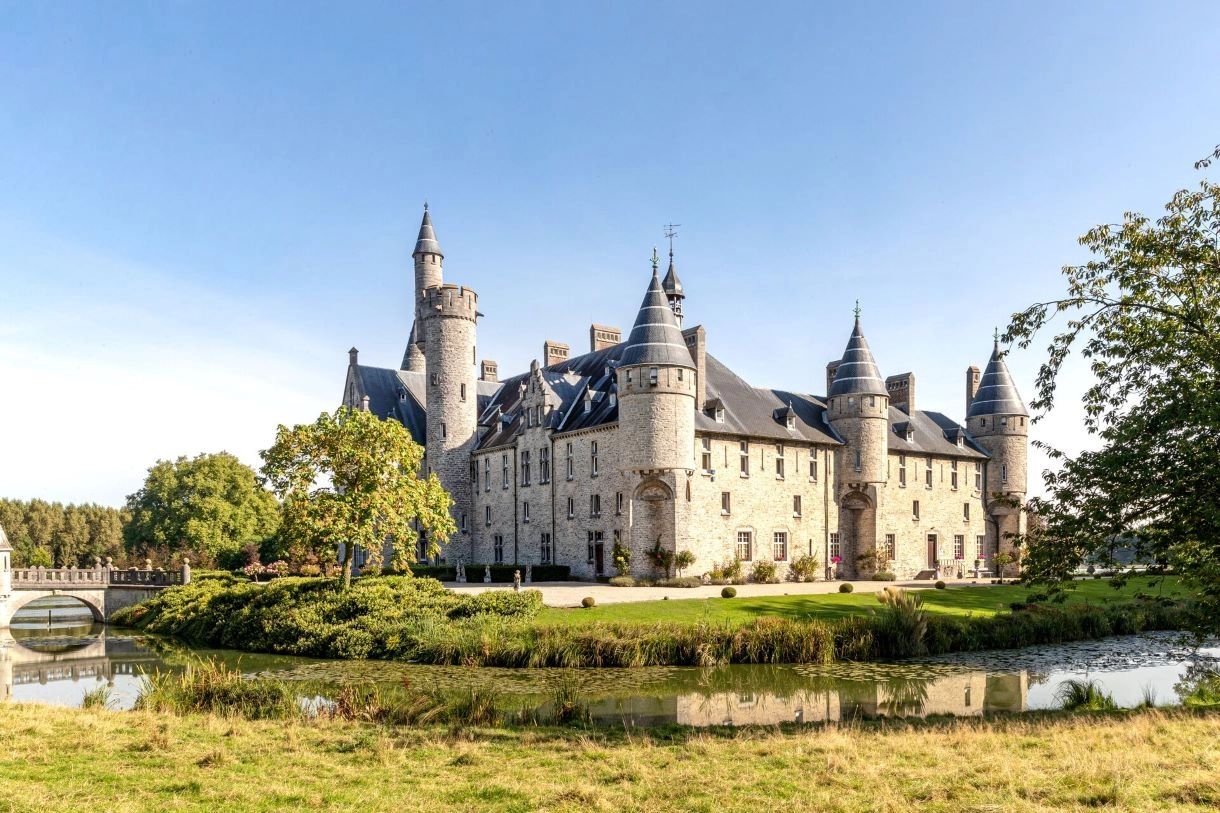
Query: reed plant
{"x": 1084, "y": 695}
{"x": 210, "y": 687}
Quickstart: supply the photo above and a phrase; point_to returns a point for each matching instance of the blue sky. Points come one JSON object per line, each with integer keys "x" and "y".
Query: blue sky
{"x": 202, "y": 206}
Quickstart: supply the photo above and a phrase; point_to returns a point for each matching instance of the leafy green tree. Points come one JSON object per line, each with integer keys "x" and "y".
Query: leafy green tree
{"x": 210, "y": 505}
{"x": 1145, "y": 313}
{"x": 352, "y": 479}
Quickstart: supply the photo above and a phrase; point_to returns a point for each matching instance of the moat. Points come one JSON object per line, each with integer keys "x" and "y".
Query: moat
{"x": 55, "y": 654}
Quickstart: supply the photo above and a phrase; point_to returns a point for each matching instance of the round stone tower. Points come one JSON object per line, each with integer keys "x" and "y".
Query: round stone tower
{"x": 656, "y": 390}
{"x": 857, "y": 407}
{"x": 429, "y": 273}
{"x": 449, "y": 314}
{"x": 997, "y": 419}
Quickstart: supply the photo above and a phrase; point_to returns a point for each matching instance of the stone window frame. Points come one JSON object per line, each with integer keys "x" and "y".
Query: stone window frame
{"x": 618, "y": 503}
{"x": 504, "y": 470}
{"x": 953, "y": 474}
{"x": 497, "y": 549}
{"x": 743, "y": 448}
{"x": 978, "y": 475}
{"x": 544, "y": 465}
{"x": 487, "y": 473}
{"x": 525, "y": 511}
{"x": 593, "y": 458}
{"x": 796, "y": 506}
{"x": 571, "y": 462}
{"x": 744, "y": 537}
{"x": 902, "y": 471}
{"x": 980, "y": 541}
{"x": 726, "y": 503}
{"x": 813, "y": 464}
{"x": 959, "y": 546}
{"x": 965, "y": 512}
{"x": 525, "y": 468}
{"x": 487, "y": 514}
{"x": 915, "y": 510}
{"x": 595, "y": 506}
{"x": 835, "y": 546}
{"x": 705, "y": 453}
{"x": 927, "y": 472}
{"x": 546, "y": 554}
{"x": 571, "y": 508}
{"x": 779, "y": 461}
{"x": 778, "y": 539}
{"x": 891, "y": 546}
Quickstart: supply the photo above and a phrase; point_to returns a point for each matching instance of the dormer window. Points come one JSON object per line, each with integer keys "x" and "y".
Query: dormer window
{"x": 790, "y": 421}
{"x": 910, "y": 435}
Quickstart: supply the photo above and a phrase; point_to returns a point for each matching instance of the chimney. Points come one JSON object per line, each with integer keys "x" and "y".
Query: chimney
{"x": 902, "y": 391}
{"x": 696, "y": 343}
{"x": 364, "y": 404}
{"x": 352, "y": 355}
{"x": 554, "y": 353}
{"x": 972, "y": 384}
{"x": 490, "y": 371}
{"x": 831, "y": 369}
{"x": 603, "y": 336}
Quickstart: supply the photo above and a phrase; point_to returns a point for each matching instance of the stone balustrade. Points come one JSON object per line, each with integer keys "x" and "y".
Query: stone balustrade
{"x": 48, "y": 578}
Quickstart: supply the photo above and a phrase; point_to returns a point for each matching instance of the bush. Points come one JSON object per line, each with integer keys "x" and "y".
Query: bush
{"x": 884, "y": 576}
{"x": 803, "y": 569}
{"x": 728, "y": 592}
{"x": 622, "y": 581}
{"x": 940, "y": 585}
{"x": 846, "y": 587}
{"x": 681, "y": 581}
{"x": 763, "y": 572}
{"x": 588, "y": 601}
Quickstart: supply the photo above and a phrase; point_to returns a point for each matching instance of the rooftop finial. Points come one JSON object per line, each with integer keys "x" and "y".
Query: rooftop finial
{"x": 857, "y": 309}
{"x": 425, "y": 204}
{"x": 997, "y": 335}
{"x": 655, "y": 261}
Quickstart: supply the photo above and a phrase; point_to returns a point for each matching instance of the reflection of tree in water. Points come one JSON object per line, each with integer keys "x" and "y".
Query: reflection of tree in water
{"x": 1200, "y": 683}
{"x": 903, "y": 695}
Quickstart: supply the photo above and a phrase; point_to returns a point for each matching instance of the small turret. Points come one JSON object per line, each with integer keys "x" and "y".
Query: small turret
{"x": 413, "y": 359}
{"x": 999, "y": 422}
{"x": 429, "y": 273}
{"x": 673, "y": 289}
{"x": 656, "y": 389}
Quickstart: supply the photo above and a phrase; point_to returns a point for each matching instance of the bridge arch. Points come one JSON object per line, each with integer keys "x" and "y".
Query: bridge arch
{"x": 94, "y": 600}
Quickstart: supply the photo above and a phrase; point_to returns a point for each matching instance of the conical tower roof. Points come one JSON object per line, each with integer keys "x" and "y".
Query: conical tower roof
{"x": 997, "y": 394}
{"x": 412, "y": 346}
{"x": 656, "y": 338}
{"x": 857, "y": 373}
{"x": 426, "y": 244}
{"x": 671, "y": 284}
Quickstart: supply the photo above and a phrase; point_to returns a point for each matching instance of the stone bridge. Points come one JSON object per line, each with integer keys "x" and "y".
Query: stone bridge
{"x": 100, "y": 659}
{"x": 102, "y": 588}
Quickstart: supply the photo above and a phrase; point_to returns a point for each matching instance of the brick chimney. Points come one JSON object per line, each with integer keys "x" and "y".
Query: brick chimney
{"x": 972, "y": 384}
{"x": 603, "y": 336}
{"x": 902, "y": 391}
{"x": 554, "y": 353}
{"x": 831, "y": 369}
{"x": 696, "y": 343}
{"x": 489, "y": 371}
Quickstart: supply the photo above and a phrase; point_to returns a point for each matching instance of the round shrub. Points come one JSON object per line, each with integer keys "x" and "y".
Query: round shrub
{"x": 588, "y": 601}
{"x": 728, "y": 592}
{"x": 884, "y": 576}
{"x": 940, "y": 585}
{"x": 846, "y": 587}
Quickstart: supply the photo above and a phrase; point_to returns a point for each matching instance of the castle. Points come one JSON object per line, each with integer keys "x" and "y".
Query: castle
{"x": 653, "y": 443}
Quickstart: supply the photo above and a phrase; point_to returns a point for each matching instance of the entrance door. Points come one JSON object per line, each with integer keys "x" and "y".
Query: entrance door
{"x": 932, "y": 550}
{"x": 599, "y": 555}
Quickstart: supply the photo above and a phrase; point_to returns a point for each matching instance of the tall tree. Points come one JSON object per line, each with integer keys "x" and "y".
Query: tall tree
{"x": 1145, "y": 312}
{"x": 210, "y": 505}
{"x": 352, "y": 478}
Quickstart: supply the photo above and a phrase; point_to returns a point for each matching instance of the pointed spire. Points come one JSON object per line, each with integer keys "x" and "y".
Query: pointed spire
{"x": 426, "y": 244}
{"x": 655, "y": 338}
{"x": 997, "y": 394}
{"x": 857, "y": 373}
{"x": 671, "y": 284}
{"x": 413, "y": 356}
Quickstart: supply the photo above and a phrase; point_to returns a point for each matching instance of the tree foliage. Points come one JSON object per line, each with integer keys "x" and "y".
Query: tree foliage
{"x": 66, "y": 535}
{"x": 1145, "y": 313}
{"x": 209, "y": 506}
{"x": 351, "y": 478}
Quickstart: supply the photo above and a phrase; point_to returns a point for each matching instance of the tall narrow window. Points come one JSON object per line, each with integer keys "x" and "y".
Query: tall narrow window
{"x": 978, "y": 476}
{"x": 978, "y": 547}
{"x": 779, "y": 462}
{"x": 927, "y": 473}
{"x": 525, "y": 511}
{"x": 959, "y": 546}
{"x": 706, "y": 457}
{"x": 745, "y": 545}
{"x": 796, "y": 505}
{"x": 487, "y": 514}
{"x": 544, "y": 465}
{"x": 902, "y": 471}
{"x": 953, "y": 475}
{"x": 504, "y": 471}
{"x": 571, "y": 508}
{"x": 779, "y": 546}
{"x": 813, "y": 464}
{"x": 859, "y": 462}
{"x": 595, "y": 505}
{"x": 462, "y": 522}
{"x": 497, "y": 551}
{"x": 444, "y": 431}
{"x": 618, "y": 502}
{"x": 915, "y": 509}
{"x": 891, "y": 547}
{"x": 571, "y": 466}
{"x": 487, "y": 474}
{"x": 1003, "y": 472}
{"x": 744, "y": 450}
{"x": 725, "y": 503}
{"x": 546, "y": 554}
{"x": 966, "y": 511}
{"x": 834, "y": 548}
{"x": 593, "y": 458}
{"x": 525, "y": 468}
{"x": 463, "y": 392}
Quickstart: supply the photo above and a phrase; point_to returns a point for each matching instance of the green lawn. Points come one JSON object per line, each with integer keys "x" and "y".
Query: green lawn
{"x": 981, "y": 600}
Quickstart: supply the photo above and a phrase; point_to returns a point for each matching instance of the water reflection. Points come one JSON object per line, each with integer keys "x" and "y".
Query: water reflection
{"x": 57, "y": 662}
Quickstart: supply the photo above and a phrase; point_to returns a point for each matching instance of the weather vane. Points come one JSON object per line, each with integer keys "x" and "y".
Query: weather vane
{"x": 857, "y": 310}
{"x": 671, "y": 233}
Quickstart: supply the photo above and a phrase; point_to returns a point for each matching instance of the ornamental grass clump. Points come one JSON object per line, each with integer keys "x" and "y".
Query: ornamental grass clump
{"x": 1084, "y": 695}
{"x": 901, "y": 626}
{"x": 210, "y": 687}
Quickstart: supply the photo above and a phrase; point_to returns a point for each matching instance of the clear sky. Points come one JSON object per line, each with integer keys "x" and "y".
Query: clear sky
{"x": 204, "y": 205}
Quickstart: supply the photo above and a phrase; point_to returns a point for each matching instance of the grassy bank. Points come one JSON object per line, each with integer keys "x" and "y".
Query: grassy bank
{"x": 141, "y": 761}
{"x": 956, "y": 601}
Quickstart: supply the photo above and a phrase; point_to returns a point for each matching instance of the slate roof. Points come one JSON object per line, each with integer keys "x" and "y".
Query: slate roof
{"x": 656, "y": 338}
{"x": 671, "y": 284}
{"x": 857, "y": 373}
{"x": 931, "y": 433}
{"x": 997, "y": 394}
{"x": 426, "y": 244}
{"x": 400, "y": 394}
{"x": 756, "y": 412}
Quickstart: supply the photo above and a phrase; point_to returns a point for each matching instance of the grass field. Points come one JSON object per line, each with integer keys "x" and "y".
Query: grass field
{"x": 63, "y": 759}
{"x": 954, "y": 601}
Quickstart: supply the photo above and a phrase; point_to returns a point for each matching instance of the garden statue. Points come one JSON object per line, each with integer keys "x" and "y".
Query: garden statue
{"x": 529, "y": 574}
{"x": 517, "y": 580}
{"x": 486, "y": 574}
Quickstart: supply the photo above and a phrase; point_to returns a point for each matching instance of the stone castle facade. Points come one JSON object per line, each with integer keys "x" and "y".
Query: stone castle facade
{"x": 652, "y": 442}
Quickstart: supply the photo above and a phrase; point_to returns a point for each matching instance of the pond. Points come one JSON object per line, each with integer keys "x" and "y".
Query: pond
{"x": 54, "y": 654}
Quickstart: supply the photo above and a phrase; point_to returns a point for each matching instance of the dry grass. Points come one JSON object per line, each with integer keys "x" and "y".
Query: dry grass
{"x": 72, "y": 760}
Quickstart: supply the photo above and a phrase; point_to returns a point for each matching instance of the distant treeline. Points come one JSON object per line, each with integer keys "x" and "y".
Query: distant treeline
{"x": 52, "y": 534}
